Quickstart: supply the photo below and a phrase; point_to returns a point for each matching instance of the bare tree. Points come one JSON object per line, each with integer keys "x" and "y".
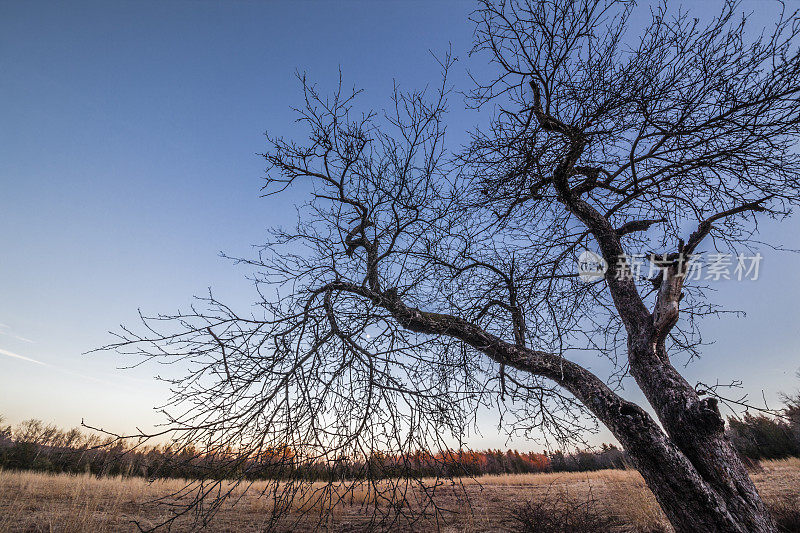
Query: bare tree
{"x": 422, "y": 284}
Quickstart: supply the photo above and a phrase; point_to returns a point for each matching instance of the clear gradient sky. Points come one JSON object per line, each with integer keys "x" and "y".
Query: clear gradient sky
{"x": 128, "y": 141}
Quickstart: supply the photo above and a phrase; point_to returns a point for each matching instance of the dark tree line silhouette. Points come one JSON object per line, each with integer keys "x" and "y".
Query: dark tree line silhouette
{"x": 34, "y": 445}
{"x": 768, "y": 437}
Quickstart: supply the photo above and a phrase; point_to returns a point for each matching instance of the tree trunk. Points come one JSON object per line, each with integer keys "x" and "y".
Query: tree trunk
{"x": 691, "y": 503}
{"x": 723, "y": 497}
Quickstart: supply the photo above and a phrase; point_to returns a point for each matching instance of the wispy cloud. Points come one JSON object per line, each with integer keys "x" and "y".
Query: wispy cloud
{"x": 18, "y": 356}
{"x": 6, "y": 330}
{"x": 60, "y": 369}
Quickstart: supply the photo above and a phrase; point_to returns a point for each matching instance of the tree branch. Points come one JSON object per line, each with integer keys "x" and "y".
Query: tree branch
{"x": 587, "y": 387}
{"x": 637, "y": 225}
{"x": 705, "y": 227}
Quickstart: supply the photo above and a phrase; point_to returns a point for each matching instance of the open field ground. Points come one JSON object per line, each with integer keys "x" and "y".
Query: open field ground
{"x": 62, "y": 503}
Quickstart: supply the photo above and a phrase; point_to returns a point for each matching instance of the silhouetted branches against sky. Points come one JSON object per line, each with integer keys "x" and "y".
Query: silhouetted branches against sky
{"x": 423, "y": 283}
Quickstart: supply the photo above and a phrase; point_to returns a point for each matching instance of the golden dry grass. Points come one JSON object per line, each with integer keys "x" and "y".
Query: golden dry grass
{"x": 61, "y": 503}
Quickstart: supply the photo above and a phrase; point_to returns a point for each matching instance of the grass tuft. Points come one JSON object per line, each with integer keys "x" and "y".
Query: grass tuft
{"x": 555, "y": 514}
{"x": 786, "y": 513}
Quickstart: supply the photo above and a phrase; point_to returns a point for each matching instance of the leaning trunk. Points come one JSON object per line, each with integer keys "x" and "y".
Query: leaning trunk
{"x": 690, "y": 501}
{"x": 729, "y": 500}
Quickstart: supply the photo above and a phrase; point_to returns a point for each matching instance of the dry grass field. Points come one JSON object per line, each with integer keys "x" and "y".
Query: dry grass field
{"x": 63, "y": 503}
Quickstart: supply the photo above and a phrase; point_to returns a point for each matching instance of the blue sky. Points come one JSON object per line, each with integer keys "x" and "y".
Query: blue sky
{"x": 128, "y": 162}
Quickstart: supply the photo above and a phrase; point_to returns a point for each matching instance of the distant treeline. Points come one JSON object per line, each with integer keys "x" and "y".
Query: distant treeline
{"x": 33, "y": 445}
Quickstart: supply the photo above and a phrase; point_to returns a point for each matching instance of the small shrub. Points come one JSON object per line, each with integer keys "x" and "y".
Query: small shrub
{"x": 558, "y": 515}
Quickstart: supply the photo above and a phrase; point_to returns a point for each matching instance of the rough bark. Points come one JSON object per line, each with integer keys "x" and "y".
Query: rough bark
{"x": 696, "y": 429}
